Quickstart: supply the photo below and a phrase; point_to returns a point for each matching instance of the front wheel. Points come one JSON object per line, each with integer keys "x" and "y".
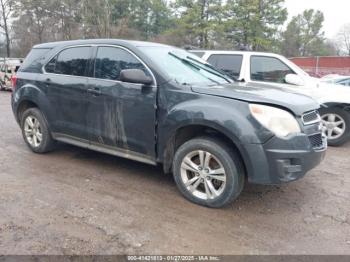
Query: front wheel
{"x": 336, "y": 125}
{"x": 208, "y": 172}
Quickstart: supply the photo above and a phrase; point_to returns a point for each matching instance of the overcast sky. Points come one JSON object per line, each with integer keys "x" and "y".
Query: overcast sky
{"x": 336, "y": 12}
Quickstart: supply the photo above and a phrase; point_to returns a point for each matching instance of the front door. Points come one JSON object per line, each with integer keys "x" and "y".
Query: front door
{"x": 271, "y": 70}
{"x": 121, "y": 115}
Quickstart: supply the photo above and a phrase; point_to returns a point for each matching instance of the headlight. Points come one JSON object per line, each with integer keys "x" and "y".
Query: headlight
{"x": 278, "y": 121}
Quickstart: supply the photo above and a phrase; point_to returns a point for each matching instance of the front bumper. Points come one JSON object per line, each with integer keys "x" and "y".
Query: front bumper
{"x": 284, "y": 160}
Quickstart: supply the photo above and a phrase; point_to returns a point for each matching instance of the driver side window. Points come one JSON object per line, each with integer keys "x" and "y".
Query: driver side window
{"x": 268, "y": 69}
{"x": 110, "y": 61}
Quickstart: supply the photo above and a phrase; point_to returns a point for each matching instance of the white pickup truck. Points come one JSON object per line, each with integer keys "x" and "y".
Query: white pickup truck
{"x": 273, "y": 69}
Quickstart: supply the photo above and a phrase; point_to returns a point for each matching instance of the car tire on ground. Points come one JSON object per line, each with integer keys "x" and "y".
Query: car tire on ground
{"x": 36, "y": 132}
{"x": 336, "y": 125}
{"x": 208, "y": 172}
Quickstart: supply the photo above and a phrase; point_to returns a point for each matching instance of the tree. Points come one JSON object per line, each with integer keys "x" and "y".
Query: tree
{"x": 39, "y": 15}
{"x": 150, "y": 17}
{"x": 304, "y": 35}
{"x": 95, "y": 18}
{"x": 254, "y": 24}
{"x": 343, "y": 38}
{"x": 142, "y": 19}
{"x": 7, "y": 7}
{"x": 68, "y": 18}
{"x": 37, "y": 21}
{"x": 197, "y": 21}
{"x": 291, "y": 44}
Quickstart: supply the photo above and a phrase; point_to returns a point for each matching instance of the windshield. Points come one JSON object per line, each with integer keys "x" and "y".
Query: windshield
{"x": 295, "y": 67}
{"x": 185, "y": 68}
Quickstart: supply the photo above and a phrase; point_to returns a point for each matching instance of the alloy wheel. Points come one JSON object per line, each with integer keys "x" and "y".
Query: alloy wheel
{"x": 203, "y": 175}
{"x": 32, "y": 131}
{"x": 334, "y": 126}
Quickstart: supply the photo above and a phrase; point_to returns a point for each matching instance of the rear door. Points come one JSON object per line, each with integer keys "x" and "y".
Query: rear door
{"x": 121, "y": 115}
{"x": 65, "y": 83}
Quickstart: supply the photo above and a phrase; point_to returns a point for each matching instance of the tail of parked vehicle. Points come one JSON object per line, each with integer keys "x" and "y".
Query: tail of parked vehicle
{"x": 14, "y": 82}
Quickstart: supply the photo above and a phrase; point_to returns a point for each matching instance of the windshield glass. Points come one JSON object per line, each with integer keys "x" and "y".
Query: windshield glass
{"x": 296, "y": 68}
{"x": 184, "y": 67}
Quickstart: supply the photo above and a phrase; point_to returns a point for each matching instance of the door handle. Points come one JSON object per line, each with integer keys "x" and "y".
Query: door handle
{"x": 48, "y": 82}
{"x": 94, "y": 91}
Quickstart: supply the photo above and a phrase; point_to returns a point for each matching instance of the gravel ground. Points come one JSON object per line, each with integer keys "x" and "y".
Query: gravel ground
{"x": 74, "y": 201}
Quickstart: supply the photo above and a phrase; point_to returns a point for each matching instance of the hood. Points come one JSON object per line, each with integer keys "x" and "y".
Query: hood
{"x": 261, "y": 93}
{"x": 327, "y": 92}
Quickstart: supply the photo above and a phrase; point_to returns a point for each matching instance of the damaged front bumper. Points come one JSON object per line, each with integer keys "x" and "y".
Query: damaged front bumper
{"x": 285, "y": 160}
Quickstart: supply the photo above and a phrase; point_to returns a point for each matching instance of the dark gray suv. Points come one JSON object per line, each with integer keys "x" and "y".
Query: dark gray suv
{"x": 158, "y": 104}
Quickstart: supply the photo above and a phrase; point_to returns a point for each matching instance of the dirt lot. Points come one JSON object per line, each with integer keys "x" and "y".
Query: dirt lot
{"x": 74, "y": 201}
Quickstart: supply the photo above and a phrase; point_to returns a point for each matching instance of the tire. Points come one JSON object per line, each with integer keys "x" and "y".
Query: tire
{"x": 334, "y": 120}
{"x": 31, "y": 131}
{"x": 226, "y": 189}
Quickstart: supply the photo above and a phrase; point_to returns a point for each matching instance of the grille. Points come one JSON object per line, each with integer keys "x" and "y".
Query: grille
{"x": 316, "y": 141}
{"x": 311, "y": 118}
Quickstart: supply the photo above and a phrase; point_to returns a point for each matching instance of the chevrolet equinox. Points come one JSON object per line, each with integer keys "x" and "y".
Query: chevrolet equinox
{"x": 158, "y": 104}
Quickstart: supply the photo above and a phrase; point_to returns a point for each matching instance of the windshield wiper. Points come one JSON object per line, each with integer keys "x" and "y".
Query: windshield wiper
{"x": 214, "y": 70}
{"x": 185, "y": 61}
{"x": 198, "y": 67}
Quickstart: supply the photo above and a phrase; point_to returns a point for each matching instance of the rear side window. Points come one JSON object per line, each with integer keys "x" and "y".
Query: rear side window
{"x": 72, "y": 61}
{"x": 110, "y": 61}
{"x": 230, "y": 64}
{"x": 268, "y": 69}
{"x": 33, "y": 61}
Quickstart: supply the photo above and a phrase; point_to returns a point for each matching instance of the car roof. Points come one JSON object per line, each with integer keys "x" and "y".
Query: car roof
{"x": 220, "y": 52}
{"x": 98, "y": 41}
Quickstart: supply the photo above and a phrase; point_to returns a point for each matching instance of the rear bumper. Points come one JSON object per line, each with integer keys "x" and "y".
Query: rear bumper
{"x": 283, "y": 160}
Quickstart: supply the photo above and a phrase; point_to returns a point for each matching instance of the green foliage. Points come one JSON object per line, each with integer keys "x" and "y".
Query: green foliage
{"x": 254, "y": 24}
{"x": 216, "y": 23}
{"x": 197, "y": 22}
{"x": 207, "y": 24}
{"x": 304, "y": 36}
{"x": 151, "y": 17}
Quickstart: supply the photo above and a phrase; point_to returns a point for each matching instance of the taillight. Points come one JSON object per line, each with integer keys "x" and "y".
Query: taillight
{"x": 14, "y": 81}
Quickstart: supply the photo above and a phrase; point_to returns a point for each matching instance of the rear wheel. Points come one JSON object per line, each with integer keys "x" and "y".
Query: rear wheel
{"x": 208, "y": 172}
{"x": 336, "y": 125}
{"x": 35, "y": 131}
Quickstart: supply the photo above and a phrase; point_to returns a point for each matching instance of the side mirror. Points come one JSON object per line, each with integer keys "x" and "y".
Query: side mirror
{"x": 136, "y": 76}
{"x": 294, "y": 79}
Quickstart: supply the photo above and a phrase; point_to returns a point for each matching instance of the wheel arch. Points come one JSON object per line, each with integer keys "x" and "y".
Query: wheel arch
{"x": 23, "y": 106}
{"x": 30, "y": 96}
{"x": 187, "y": 132}
{"x": 345, "y": 106}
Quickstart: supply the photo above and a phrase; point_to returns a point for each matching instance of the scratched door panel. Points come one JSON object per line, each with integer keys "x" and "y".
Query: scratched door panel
{"x": 121, "y": 115}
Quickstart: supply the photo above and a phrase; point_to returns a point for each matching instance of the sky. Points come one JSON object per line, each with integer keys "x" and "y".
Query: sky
{"x": 336, "y": 12}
